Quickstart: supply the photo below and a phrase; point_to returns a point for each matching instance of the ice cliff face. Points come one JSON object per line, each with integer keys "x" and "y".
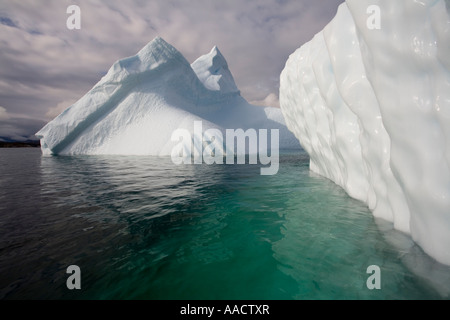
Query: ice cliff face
{"x": 143, "y": 99}
{"x": 371, "y": 106}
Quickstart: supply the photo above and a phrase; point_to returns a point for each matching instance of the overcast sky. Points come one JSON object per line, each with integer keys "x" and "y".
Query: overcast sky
{"x": 45, "y": 67}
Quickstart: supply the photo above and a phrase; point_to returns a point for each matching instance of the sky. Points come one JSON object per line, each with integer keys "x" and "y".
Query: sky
{"x": 46, "y": 67}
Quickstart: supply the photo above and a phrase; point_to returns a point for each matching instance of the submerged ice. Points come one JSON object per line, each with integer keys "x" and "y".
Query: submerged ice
{"x": 371, "y": 106}
{"x": 143, "y": 99}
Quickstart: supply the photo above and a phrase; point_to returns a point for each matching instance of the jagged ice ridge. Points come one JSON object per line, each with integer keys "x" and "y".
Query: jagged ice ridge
{"x": 143, "y": 99}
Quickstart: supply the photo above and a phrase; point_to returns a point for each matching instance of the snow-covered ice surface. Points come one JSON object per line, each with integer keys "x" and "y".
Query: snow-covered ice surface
{"x": 372, "y": 108}
{"x": 143, "y": 99}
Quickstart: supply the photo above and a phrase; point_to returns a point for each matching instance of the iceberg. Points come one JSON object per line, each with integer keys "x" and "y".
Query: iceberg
{"x": 370, "y": 103}
{"x": 143, "y": 99}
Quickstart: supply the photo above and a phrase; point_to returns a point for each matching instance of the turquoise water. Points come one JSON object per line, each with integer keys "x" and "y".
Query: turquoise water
{"x": 143, "y": 228}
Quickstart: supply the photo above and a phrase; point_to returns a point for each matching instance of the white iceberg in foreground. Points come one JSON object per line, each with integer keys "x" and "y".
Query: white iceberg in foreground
{"x": 371, "y": 106}
{"x": 143, "y": 99}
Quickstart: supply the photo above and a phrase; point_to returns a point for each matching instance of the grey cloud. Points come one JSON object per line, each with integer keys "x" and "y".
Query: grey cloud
{"x": 7, "y": 22}
{"x": 20, "y": 129}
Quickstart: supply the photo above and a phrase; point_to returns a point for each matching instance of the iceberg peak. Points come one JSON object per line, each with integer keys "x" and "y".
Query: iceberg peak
{"x": 217, "y": 56}
{"x": 151, "y": 57}
{"x": 212, "y": 70}
{"x": 159, "y": 49}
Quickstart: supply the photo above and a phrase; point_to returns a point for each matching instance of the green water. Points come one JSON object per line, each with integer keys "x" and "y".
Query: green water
{"x": 142, "y": 228}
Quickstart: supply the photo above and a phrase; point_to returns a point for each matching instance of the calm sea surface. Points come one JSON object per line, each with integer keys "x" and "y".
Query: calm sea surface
{"x": 143, "y": 228}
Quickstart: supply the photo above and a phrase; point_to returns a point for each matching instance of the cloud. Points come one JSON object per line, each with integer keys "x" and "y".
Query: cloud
{"x": 44, "y": 63}
{"x": 4, "y": 114}
{"x": 270, "y": 101}
{"x": 7, "y": 22}
{"x": 20, "y": 129}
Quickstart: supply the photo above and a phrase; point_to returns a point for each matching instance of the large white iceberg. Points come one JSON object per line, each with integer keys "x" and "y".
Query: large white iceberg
{"x": 369, "y": 99}
{"x": 136, "y": 107}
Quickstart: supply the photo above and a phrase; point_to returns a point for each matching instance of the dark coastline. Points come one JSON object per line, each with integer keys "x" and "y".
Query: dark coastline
{"x": 16, "y": 144}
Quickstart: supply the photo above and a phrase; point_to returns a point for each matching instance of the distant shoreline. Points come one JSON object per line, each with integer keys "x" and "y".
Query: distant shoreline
{"x": 16, "y": 144}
